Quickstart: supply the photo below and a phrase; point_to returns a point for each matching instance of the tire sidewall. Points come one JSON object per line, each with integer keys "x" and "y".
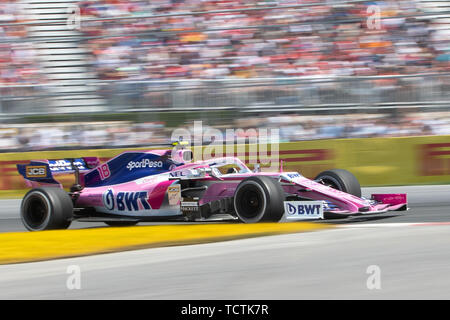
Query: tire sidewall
{"x": 44, "y": 197}
{"x": 261, "y": 188}
{"x": 343, "y": 179}
{"x": 273, "y": 195}
{"x": 59, "y": 208}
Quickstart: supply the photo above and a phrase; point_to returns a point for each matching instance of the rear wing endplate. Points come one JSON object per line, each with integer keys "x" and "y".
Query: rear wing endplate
{"x": 41, "y": 172}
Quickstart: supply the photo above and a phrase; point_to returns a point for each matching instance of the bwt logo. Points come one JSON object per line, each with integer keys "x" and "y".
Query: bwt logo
{"x": 144, "y": 163}
{"x": 64, "y": 163}
{"x": 126, "y": 201}
{"x": 304, "y": 209}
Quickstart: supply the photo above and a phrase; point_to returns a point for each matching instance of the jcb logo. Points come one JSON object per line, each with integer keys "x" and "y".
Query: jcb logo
{"x": 36, "y": 171}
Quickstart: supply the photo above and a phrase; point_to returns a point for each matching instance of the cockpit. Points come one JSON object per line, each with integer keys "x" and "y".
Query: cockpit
{"x": 224, "y": 166}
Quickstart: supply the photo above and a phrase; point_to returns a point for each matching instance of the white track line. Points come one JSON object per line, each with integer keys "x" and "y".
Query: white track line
{"x": 393, "y": 225}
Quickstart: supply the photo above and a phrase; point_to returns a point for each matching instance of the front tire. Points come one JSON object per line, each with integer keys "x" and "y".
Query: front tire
{"x": 46, "y": 208}
{"x": 259, "y": 199}
{"x": 342, "y": 180}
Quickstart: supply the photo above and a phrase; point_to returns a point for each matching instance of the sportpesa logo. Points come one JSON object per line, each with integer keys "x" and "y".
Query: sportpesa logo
{"x": 144, "y": 163}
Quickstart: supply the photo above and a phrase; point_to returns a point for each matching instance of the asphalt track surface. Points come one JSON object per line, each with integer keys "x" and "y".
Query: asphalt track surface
{"x": 413, "y": 262}
{"x": 410, "y": 251}
{"x": 427, "y": 204}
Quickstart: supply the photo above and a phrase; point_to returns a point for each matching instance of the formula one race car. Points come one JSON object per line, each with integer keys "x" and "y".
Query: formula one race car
{"x": 139, "y": 186}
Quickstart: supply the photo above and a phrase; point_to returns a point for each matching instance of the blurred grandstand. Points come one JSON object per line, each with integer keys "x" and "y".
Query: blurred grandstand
{"x": 288, "y": 64}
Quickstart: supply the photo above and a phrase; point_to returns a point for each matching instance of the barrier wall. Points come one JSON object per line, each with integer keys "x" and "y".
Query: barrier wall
{"x": 374, "y": 161}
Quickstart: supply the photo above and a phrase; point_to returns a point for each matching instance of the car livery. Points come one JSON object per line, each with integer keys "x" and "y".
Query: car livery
{"x": 151, "y": 185}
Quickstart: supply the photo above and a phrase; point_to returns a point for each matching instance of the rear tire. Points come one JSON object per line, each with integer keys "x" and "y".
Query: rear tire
{"x": 46, "y": 208}
{"x": 259, "y": 199}
{"x": 342, "y": 180}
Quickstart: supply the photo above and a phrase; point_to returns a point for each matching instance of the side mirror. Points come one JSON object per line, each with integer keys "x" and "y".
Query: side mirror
{"x": 214, "y": 172}
{"x": 257, "y": 168}
{"x": 182, "y": 156}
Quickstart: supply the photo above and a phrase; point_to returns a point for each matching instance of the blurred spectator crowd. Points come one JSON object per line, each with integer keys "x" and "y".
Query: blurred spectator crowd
{"x": 116, "y": 134}
{"x": 18, "y": 58}
{"x": 158, "y": 40}
{"x": 66, "y": 135}
{"x": 325, "y": 41}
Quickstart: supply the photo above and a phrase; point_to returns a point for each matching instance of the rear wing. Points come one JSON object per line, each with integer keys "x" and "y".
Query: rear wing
{"x": 41, "y": 172}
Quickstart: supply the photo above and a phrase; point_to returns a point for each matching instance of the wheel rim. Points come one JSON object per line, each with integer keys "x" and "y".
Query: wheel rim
{"x": 251, "y": 202}
{"x": 332, "y": 183}
{"x": 35, "y": 211}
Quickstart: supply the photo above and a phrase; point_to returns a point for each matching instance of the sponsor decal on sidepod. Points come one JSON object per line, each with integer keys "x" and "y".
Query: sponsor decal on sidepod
{"x": 144, "y": 163}
{"x": 125, "y": 201}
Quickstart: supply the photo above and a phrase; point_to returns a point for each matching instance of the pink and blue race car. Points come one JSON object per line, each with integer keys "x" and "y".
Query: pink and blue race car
{"x": 139, "y": 186}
